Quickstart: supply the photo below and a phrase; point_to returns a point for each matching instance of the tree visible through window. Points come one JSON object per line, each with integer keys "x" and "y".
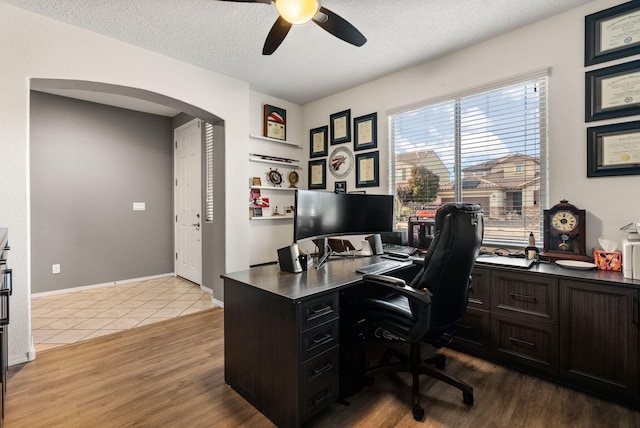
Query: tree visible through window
{"x": 486, "y": 146}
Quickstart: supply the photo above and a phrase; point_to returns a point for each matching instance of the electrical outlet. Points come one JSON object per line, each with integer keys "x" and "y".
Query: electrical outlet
{"x": 55, "y": 269}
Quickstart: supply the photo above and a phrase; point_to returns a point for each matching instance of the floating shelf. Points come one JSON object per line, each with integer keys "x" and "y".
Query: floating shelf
{"x": 275, "y": 162}
{"x": 271, "y": 217}
{"x": 288, "y": 189}
{"x": 275, "y": 140}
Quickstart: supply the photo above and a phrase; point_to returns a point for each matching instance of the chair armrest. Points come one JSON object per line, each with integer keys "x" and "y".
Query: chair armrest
{"x": 420, "y": 301}
{"x": 400, "y": 286}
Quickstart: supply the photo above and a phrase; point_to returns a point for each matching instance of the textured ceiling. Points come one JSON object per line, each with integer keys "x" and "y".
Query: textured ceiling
{"x": 227, "y": 37}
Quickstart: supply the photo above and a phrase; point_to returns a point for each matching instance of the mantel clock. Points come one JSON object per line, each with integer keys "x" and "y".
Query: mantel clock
{"x": 564, "y": 233}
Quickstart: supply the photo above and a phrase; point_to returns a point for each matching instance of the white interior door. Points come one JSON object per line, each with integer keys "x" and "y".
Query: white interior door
{"x": 188, "y": 203}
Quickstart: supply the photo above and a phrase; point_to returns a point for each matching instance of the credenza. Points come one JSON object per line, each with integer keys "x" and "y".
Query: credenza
{"x": 578, "y": 328}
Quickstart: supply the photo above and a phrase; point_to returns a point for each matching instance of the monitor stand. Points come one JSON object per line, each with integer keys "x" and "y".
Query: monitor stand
{"x": 325, "y": 252}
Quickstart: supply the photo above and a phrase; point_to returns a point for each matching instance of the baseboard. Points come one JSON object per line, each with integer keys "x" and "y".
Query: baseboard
{"x": 217, "y": 302}
{"x": 106, "y": 284}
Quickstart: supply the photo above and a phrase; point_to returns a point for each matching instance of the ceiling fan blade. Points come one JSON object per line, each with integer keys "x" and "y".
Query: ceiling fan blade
{"x": 276, "y": 35}
{"x": 250, "y": 1}
{"x": 339, "y": 27}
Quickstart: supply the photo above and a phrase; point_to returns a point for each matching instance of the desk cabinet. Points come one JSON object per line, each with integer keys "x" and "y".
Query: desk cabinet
{"x": 580, "y": 329}
{"x": 599, "y": 338}
{"x": 280, "y": 354}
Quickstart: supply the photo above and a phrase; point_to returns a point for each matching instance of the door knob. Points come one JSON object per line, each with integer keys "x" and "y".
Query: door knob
{"x": 196, "y": 224}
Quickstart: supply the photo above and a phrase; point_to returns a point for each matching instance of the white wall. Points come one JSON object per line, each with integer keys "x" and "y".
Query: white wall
{"x": 37, "y": 47}
{"x": 557, "y": 42}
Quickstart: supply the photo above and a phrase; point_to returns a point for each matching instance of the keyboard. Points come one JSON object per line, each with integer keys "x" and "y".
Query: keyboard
{"x": 380, "y": 267}
{"x": 402, "y": 250}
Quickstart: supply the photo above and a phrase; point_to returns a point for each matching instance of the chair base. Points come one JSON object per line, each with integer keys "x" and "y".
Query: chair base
{"x": 416, "y": 366}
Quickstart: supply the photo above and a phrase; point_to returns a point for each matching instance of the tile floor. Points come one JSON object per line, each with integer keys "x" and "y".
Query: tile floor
{"x": 70, "y": 317}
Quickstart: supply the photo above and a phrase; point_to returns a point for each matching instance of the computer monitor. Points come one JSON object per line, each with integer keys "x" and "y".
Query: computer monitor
{"x": 325, "y": 214}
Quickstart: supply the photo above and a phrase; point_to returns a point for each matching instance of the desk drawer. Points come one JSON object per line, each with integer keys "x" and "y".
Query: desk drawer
{"x": 318, "y": 311}
{"x": 321, "y": 368}
{"x": 319, "y": 397}
{"x": 319, "y": 339}
{"x": 525, "y": 296}
{"x": 472, "y": 332}
{"x": 526, "y": 343}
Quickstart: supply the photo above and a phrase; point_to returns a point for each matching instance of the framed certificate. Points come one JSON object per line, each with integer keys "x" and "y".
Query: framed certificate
{"x": 275, "y": 122}
{"x": 340, "y": 127}
{"x": 612, "y": 91}
{"x": 365, "y": 130}
{"x": 613, "y": 149}
{"x": 368, "y": 169}
{"x": 318, "y": 174}
{"x": 612, "y": 33}
{"x": 318, "y": 138}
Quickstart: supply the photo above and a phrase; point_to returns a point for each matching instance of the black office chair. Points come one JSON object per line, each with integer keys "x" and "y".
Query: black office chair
{"x": 428, "y": 309}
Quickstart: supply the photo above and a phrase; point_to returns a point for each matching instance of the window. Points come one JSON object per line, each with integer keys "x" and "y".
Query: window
{"x": 208, "y": 153}
{"x": 486, "y": 146}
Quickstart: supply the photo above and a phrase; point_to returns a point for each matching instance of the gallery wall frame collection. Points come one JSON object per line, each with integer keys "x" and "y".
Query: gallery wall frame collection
{"x": 341, "y": 161}
{"x": 614, "y": 91}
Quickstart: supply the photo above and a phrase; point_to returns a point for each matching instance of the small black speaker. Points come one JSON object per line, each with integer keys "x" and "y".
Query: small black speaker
{"x": 289, "y": 259}
{"x": 376, "y": 243}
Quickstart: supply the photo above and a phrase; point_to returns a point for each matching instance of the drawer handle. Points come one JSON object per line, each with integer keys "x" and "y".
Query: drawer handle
{"x": 314, "y": 313}
{"x": 522, "y": 297}
{"x": 476, "y": 301}
{"x": 467, "y": 327}
{"x": 322, "y": 369}
{"x": 319, "y": 397}
{"x": 322, "y": 339}
{"x": 522, "y": 342}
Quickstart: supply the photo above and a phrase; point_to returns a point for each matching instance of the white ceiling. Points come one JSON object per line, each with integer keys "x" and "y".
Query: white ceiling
{"x": 227, "y": 37}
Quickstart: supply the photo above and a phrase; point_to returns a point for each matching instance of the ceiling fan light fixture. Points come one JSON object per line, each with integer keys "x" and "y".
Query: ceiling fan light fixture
{"x": 297, "y": 11}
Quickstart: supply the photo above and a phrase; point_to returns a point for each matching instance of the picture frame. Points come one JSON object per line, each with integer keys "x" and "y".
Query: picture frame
{"x": 340, "y": 124}
{"x": 257, "y": 181}
{"x": 612, "y": 92}
{"x": 613, "y": 149}
{"x": 612, "y": 33}
{"x": 365, "y": 132}
{"x": 340, "y": 187}
{"x": 275, "y": 122}
{"x": 318, "y": 174}
{"x": 368, "y": 169}
{"x": 318, "y": 141}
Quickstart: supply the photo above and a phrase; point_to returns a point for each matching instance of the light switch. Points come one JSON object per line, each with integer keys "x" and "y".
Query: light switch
{"x": 139, "y": 206}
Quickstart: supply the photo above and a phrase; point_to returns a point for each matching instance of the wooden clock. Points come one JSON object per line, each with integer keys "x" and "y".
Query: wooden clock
{"x": 564, "y": 233}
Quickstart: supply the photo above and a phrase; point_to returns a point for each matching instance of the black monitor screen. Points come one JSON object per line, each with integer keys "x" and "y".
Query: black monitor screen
{"x": 322, "y": 214}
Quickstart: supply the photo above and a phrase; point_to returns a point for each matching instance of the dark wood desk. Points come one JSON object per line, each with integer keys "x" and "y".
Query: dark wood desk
{"x": 281, "y": 337}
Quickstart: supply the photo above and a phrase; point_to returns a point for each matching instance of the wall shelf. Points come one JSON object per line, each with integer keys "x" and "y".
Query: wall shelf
{"x": 271, "y": 217}
{"x": 274, "y": 140}
{"x": 287, "y": 189}
{"x": 274, "y": 162}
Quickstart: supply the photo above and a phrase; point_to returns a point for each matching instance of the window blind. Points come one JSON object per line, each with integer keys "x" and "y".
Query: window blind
{"x": 487, "y": 147}
{"x": 209, "y": 153}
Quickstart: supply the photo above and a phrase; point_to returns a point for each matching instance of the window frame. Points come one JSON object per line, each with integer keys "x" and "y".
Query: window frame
{"x": 542, "y": 76}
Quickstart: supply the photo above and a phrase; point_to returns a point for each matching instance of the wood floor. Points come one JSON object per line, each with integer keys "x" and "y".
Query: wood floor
{"x": 171, "y": 374}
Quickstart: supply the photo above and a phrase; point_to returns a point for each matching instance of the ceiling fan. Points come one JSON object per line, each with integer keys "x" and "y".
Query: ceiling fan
{"x": 302, "y": 11}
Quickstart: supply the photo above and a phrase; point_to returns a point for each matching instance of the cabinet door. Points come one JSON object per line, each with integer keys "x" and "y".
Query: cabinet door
{"x": 599, "y": 338}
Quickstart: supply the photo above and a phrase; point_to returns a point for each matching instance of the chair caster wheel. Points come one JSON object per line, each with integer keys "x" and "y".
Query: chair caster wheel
{"x": 467, "y": 398}
{"x": 418, "y": 413}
